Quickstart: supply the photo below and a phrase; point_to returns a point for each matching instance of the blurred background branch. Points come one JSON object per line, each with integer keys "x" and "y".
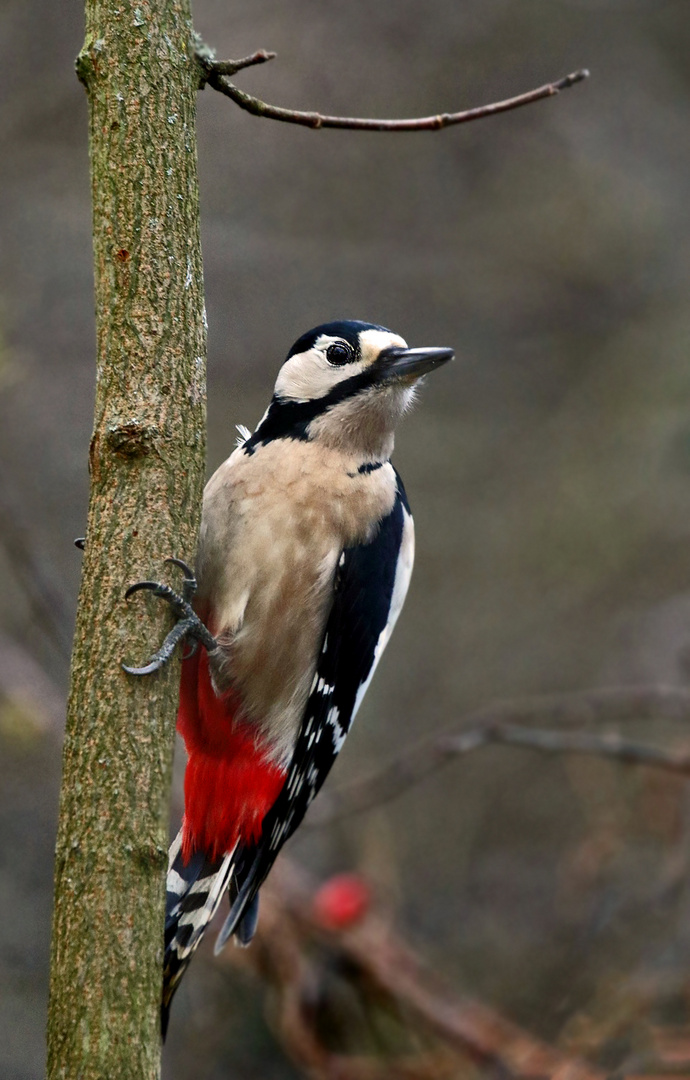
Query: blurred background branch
{"x": 441, "y": 1031}
{"x": 46, "y": 605}
{"x": 503, "y": 724}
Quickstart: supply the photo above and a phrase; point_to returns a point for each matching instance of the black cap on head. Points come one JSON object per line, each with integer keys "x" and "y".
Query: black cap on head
{"x": 347, "y": 329}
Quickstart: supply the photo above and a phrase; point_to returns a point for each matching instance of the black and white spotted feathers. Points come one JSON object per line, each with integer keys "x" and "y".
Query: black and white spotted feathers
{"x": 369, "y": 589}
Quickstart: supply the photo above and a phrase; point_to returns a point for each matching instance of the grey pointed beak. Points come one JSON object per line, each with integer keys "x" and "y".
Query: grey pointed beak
{"x": 396, "y": 363}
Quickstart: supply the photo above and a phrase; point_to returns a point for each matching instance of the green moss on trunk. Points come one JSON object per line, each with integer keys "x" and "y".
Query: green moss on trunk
{"x": 147, "y": 463}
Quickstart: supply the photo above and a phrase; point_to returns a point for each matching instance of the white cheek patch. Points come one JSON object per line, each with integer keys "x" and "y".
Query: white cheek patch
{"x": 309, "y": 375}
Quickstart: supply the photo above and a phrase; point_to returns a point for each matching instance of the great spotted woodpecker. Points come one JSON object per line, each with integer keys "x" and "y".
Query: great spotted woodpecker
{"x": 305, "y": 555}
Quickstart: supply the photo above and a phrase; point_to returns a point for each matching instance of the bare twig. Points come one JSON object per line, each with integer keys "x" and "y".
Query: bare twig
{"x": 504, "y": 723}
{"x": 216, "y": 73}
{"x": 231, "y": 67}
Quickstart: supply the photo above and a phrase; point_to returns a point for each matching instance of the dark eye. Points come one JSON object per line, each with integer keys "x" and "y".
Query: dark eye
{"x": 339, "y": 353}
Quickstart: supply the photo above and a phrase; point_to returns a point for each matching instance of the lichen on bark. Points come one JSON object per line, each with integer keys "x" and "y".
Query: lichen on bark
{"x": 147, "y": 463}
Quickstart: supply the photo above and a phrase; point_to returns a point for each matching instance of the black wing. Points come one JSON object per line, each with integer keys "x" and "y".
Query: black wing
{"x": 363, "y": 597}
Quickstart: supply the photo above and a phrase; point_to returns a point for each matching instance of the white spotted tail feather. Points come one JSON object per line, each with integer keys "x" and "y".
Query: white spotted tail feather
{"x": 193, "y": 893}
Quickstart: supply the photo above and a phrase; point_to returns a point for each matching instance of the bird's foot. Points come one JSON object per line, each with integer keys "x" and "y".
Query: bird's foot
{"x": 188, "y": 624}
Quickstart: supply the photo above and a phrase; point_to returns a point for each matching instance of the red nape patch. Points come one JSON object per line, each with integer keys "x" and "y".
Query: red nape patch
{"x": 229, "y": 785}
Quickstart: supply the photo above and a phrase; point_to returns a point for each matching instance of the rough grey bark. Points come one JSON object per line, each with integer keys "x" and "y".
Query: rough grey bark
{"x": 147, "y": 462}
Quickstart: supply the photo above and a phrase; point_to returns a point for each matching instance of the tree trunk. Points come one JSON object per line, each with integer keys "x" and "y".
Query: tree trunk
{"x": 147, "y": 463}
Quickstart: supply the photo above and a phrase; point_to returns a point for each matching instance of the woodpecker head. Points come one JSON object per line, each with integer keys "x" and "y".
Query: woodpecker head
{"x": 346, "y": 384}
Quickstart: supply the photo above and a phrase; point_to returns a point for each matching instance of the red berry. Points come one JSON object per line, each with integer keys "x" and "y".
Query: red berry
{"x": 342, "y": 901}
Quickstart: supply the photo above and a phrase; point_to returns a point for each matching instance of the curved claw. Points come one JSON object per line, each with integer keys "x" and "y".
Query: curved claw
{"x": 148, "y": 669}
{"x": 188, "y": 572}
{"x": 193, "y": 646}
{"x": 188, "y": 624}
{"x": 189, "y": 581}
{"x": 161, "y": 657}
{"x": 139, "y": 585}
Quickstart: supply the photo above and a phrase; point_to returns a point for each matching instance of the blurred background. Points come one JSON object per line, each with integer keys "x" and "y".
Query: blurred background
{"x": 548, "y": 469}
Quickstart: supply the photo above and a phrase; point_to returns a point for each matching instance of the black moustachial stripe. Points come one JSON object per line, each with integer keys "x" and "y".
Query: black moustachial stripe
{"x": 291, "y": 419}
